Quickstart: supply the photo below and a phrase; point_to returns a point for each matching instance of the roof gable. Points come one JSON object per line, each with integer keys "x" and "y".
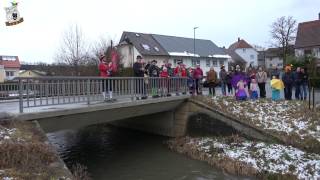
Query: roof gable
{"x": 154, "y": 44}
{"x": 176, "y": 45}
{"x": 144, "y": 43}
{"x": 240, "y": 44}
{"x": 10, "y": 61}
{"x": 308, "y": 34}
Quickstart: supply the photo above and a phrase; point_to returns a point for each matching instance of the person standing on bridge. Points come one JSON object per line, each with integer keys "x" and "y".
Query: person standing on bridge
{"x": 139, "y": 71}
{"x": 223, "y": 80}
{"x": 198, "y": 75}
{"x": 105, "y": 70}
{"x": 212, "y": 81}
{"x": 154, "y": 72}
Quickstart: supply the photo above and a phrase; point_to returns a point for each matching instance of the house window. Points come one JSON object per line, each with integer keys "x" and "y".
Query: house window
{"x": 146, "y": 47}
{"x": 221, "y": 62}
{"x": 244, "y": 50}
{"x": 9, "y": 73}
{"x": 176, "y": 61}
{"x": 208, "y": 63}
{"x": 251, "y": 56}
{"x": 215, "y": 63}
{"x": 270, "y": 65}
{"x": 307, "y": 52}
{"x": 195, "y": 62}
{"x": 280, "y": 65}
{"x": 8, "y": 58}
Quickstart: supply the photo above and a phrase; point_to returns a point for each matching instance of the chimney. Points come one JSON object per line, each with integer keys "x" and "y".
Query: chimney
{"x": 238, "y": 39}
{"x": 319, "y": 16}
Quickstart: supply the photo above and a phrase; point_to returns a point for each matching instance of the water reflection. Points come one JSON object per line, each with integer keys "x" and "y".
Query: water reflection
{"x": 120, "y": 154}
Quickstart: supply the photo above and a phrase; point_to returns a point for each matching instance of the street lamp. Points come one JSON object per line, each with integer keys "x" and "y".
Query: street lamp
{"x": 194, "y": 42}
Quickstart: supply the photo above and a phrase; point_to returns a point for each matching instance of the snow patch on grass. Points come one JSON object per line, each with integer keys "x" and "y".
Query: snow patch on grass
{"x": 5, "y": 133}
{"x": 288, "y": 117}
{"x": 273, "y": 158}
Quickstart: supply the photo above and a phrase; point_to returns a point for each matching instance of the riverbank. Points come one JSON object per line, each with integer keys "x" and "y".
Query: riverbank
{"x": 291, "y": 122}
{"x": 25, "y": 153}
{"x": 239, "y": 156}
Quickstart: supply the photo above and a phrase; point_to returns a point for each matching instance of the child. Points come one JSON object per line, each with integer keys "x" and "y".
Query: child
{"x": 164, "y": 82}
{"x": 241, "y": 93}
{"x": 254, "y": 89}
{"x": 276, "y": 85}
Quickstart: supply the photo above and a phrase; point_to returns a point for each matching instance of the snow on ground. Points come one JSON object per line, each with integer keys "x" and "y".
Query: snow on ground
{"x": 273, "y": 158}
{"x": 5, "y": 134}
{"x": 290, "y": 117}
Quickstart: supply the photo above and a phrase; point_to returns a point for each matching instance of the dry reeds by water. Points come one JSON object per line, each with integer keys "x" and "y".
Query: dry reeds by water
{"x": 25, "y": 153}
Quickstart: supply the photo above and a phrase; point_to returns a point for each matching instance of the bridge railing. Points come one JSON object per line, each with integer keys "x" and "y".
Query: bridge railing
{"x": 45, "y": 91}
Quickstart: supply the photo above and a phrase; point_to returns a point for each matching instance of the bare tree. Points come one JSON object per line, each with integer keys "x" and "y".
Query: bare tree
{"x": 73, "y": 50}
{"x": 283, "y": 33}
{"x": 99, "y": 47}
{"x": 105, "y": 47}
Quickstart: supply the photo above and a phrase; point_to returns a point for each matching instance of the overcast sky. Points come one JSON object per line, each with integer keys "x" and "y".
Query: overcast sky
{"x": 38, "y": 37}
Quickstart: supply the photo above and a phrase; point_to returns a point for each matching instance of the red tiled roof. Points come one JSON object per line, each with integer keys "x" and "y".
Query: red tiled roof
{"x": 240, "y": 44}
{"x": 308, "y": 34}
{"x": 10, "y": 63}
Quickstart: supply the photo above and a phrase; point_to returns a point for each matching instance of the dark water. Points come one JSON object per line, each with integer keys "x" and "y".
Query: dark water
{"x": 120, "y": 154}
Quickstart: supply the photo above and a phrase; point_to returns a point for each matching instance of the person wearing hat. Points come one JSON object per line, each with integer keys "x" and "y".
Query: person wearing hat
{"x": 288, "y": 80}
{"x": 154, "y": 72}
{"x": 223, "y": 79}
{"x": 105, "y": 72}
{"x": 138, "y": 67}
{"x": 138, "y": 71}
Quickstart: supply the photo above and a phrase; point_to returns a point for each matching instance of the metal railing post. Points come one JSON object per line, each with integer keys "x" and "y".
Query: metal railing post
{"x": 20, "y": 96}
{"x": 88, "y": 91}
{"x": 313, "y": 99}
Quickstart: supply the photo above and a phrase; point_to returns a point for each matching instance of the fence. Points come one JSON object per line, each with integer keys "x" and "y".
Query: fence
{"x": 45, "y": 91}
{"x": 314, "y": 92}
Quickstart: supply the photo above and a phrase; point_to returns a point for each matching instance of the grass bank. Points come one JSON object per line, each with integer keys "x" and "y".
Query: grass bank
{"x": 289, "y": 121}
{"x": 26, "y": 154}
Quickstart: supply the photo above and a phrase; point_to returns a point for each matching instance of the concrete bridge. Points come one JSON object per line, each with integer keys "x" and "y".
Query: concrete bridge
{"x": 166, "y": 115}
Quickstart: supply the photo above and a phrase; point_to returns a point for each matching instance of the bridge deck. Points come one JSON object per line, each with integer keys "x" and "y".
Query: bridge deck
{"x": 10, "y": 108}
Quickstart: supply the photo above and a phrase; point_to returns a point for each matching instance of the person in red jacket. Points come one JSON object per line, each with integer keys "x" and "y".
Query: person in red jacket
{"x": 198, "y": 75}
{"x": 184, "y": 72}
{"x": 105, "y": 72}
{"x": 165, "y": 82}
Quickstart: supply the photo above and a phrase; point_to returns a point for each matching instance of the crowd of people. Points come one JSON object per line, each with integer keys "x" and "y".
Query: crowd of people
{"x": 252, "y": 82}
{"x": 151, "y": 69}
{"x": 243, "y": 84}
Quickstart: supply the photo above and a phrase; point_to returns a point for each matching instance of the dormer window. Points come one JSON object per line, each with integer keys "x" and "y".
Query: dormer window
{"x": 9, "y": 58}
{"x": 146, "y": 47}
{"x": 138, "y": 35}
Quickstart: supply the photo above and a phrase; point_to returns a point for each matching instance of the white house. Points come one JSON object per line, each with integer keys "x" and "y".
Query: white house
{"x": 274, "y": 57}
{"x": 308, "y": 39}
{"x": 171, "y": 49}
{"x": 9, "y": 68}
{"x": 243, "y": 53}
